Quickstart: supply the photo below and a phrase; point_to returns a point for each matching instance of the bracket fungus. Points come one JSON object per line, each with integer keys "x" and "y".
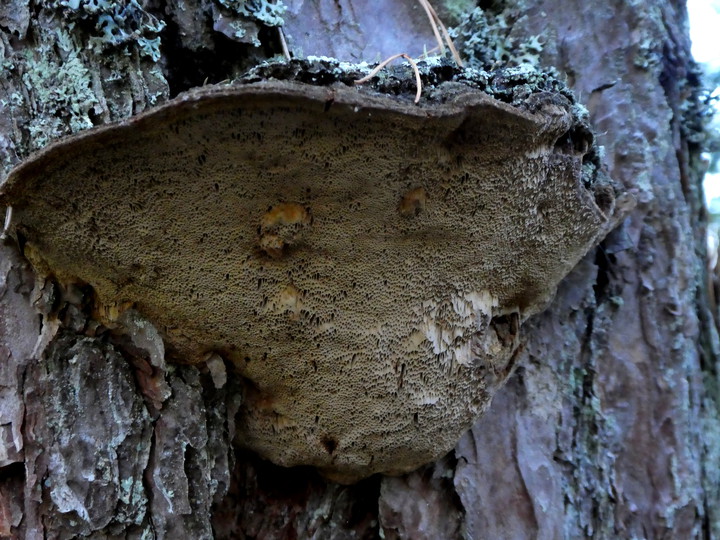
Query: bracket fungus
{"x": 363, "y": 262}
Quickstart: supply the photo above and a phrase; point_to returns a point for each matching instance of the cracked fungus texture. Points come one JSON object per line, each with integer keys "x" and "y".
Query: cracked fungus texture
{"x": 364, "y": 263}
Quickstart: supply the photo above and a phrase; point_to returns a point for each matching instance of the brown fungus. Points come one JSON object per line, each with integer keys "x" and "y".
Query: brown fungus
{"x": 364, "y": 262}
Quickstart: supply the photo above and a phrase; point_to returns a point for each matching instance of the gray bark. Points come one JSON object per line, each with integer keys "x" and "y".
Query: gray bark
{"x": 608, "y": 429}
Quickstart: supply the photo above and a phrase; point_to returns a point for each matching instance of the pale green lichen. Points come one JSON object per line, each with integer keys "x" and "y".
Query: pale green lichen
{"x": 156, "y": 93}
{"x": 71, "y": 82}
{"x": 453, "y": 11}
{"x": 262, "y": 11}
{"x": 241, "y": 20}
{"x": 484, "y": 40}
{"x": 648, "y": 54}
{"x": 240, "y": 30}
{"x": 60, "y": 91}
{"x": 116, "y": 23}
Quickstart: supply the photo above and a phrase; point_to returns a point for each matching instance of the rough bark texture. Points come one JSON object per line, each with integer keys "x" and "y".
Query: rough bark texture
{"x": 609, "y": 429}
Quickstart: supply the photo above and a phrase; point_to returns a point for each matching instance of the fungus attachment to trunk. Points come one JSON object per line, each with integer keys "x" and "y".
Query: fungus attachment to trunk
{"x": 364, "y": 262}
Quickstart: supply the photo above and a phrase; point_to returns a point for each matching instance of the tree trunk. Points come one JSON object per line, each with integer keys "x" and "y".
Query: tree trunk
{"x": 609, "y": 426}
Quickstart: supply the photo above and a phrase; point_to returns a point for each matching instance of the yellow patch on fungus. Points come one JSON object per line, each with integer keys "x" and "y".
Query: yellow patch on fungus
{"x": 413, "y": 202}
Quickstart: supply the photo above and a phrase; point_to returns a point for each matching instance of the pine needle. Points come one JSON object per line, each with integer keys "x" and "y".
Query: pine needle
{"x": 385, "y": 62}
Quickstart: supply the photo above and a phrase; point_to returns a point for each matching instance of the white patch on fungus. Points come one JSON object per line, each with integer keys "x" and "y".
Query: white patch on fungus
{"x": 451, "y": 325}
{"x": 217, "y": 370}
{"x": 287, "y": 301}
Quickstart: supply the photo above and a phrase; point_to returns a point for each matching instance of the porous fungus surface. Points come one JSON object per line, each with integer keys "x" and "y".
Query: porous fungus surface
{"x": 365, "y": 263}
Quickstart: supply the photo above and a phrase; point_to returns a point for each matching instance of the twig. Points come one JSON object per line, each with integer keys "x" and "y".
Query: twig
{"x": 430, "y": 11}
{"x": 426, "y": 54}
{"x": 283, "y": 43}
{"x": 435, "y": 22}
{"x": 8, "y": 221}
{"x": 385, "y": 62}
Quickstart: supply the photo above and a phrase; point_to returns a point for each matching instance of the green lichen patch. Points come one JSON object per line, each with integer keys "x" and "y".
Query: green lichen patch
{"x": 262, "y": 11}
{"x": 60, "y": 90}
{"x": 241, "y": 20}
{"x": 453, "y": 11}
{"x": 484, "y": 41}
{"x": 66, "y": 77}
{"x": 115, "y": 23}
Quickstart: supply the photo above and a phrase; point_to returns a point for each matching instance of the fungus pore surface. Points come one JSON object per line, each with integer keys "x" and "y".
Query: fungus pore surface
{"x": 363, "y": 262}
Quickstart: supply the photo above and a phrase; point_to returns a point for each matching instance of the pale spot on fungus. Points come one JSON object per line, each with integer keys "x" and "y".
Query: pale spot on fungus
{"x": 282, "y": 226}
{"x": 413, "y": 202}
{"x": 272, "y": 245}
{"x": 288, "y": 301}
{"x": 368, "y": 341}
{"x": 285, "y": 214}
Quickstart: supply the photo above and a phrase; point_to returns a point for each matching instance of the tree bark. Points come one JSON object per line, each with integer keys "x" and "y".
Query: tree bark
{"x": 609, "y": 427}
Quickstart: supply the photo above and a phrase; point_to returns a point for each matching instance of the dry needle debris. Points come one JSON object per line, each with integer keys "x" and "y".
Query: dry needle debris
{"x": 374, "y": 71}
{"x": 435, "y": 23}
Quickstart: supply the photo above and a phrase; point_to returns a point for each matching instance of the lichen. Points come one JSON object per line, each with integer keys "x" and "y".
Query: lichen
{"x": 241, "y": 20}
{"x": 510, "y": 85}
{"x": 649, "y": 54}
{"x": 484, "y": 40}
{"x": 456, "y": 10}
{"x": 514, "y": 84}
{"x": 262, "y": 11}
{"x": 60, "y": 90}
{"x": 121, "y": 23}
